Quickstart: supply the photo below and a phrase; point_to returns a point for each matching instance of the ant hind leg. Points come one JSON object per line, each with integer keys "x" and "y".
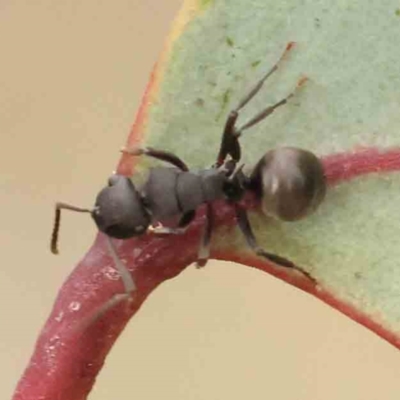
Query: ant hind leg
{"x": 256, "y": 88}
{"x": 126, "y": 277}
{"x": 127, "y": 281}
{"x": 229, "y": 142}
{"x": 269, "y": 110}
{"x": 245, "y": 227}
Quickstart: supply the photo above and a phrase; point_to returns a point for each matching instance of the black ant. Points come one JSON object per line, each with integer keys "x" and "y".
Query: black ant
{"x": 289, "y": 181}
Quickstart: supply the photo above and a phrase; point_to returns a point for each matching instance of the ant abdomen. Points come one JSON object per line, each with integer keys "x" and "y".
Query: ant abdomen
{"x": 290, "y": 183}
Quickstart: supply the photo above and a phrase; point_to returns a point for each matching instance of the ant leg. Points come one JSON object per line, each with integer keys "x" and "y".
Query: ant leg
{"x": 186, "y": 219}
{"x": 229, "y": 142}
{"x": 183, "y": 224}
{"x": 126, "y": 277}
{"x": 127, "y": 281}
{"x": 204, "y": 250}
{"x": 245, "y": 227}
{"x": 160, "y": 229}
{"x": 159, "y": 155}
{"x": 102, "y": 310}
{"x": 260, "y": 83}
{"x": 269, "y": 110}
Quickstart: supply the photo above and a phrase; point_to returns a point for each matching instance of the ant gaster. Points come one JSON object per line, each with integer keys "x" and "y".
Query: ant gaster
{"x": 289, "y": 181}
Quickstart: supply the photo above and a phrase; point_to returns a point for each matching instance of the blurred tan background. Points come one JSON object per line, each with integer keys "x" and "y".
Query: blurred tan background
{"x": 71, "y": 78}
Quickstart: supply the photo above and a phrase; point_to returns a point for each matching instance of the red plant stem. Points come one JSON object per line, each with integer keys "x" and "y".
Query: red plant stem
{"x": 71, "y": 348}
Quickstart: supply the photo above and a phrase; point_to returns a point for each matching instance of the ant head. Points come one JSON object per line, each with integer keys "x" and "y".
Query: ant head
{"x": 119, "y": 211}
{"x": 290, "y": 183}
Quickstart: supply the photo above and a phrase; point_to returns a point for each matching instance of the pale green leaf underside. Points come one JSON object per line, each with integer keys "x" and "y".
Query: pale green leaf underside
{"x": 350, "y": 52}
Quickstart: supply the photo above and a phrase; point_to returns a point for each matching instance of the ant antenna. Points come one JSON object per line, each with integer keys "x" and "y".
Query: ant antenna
{"x": 57, "y": 218}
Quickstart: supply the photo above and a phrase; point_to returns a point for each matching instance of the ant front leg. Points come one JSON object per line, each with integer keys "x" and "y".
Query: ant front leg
{"x": 162, "y": 230}
{"x": 126, "y": 277}
{"x": 230, "y": 143}
{"x": 127, "y": 281}
{"x": 245, "y": 227}
{"x": 183, "y": 224}
{"x": 159, "y": 155}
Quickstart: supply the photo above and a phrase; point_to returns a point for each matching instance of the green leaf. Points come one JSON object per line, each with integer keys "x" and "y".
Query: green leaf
{"x": 351, "y": 103}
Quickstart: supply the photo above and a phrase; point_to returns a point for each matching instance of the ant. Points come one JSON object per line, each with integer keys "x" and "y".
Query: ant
{"x": 289, "y": 182}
